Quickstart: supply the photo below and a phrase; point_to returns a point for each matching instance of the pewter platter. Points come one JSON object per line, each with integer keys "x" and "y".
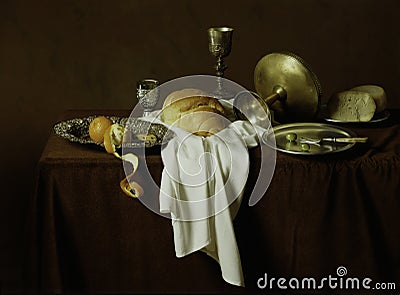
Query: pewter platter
{"x": 77, "y": 130}
{"x": 277, "y": 138}
{"x": 379, "y": 117}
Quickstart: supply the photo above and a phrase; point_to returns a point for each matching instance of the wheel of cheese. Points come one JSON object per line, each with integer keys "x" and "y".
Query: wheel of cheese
{"x": 351, "y": 106}
{"x": 378, "y": 94}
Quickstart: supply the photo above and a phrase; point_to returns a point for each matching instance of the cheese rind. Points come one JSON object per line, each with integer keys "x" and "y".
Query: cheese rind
{"x": 351, "y": 106}
{"x": 378, "y": 94}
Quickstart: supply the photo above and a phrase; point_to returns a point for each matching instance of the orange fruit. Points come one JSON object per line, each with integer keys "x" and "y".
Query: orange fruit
{"x": 98, "y": 127}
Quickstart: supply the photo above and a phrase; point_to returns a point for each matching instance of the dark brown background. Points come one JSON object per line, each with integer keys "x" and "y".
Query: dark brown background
{"x": 83, "y": 54}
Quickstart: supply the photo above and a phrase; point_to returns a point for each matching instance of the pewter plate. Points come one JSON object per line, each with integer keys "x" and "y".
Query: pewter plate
{"x": 379, "y": 117}
{"x": 312, "y": 130}
{"x": 77, "y": 130}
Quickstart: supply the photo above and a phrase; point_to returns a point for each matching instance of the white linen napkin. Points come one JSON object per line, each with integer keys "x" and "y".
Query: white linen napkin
{"x": 201, "y": 187}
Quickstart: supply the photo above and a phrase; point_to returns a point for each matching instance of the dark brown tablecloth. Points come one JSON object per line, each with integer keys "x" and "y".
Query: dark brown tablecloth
{"x": 319, "y": 213}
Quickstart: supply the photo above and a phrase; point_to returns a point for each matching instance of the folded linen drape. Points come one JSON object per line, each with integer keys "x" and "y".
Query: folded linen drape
{"x": 201, "y": 187}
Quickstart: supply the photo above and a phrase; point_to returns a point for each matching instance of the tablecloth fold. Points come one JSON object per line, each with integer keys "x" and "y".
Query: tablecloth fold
{"x": 201, "y": 187}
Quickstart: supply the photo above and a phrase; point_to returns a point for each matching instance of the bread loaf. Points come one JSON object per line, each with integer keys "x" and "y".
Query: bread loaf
{"x": 351, "y": 106}
{"x": 377, "y": 93}
{"x": 184, "y": 93}
{"x": 194, "y": 111}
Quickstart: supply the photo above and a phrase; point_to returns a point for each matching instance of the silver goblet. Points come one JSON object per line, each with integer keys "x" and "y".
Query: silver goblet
{"x": 219, "y": 45}
{"x": 147, "y": 93}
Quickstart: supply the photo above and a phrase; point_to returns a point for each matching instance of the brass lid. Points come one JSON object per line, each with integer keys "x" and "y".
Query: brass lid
{"x": 287, "y": 71}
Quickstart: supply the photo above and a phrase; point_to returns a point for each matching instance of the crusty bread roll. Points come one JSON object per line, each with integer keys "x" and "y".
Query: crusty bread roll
{"x": 351, "y": 106}
{"x": 180, "y": 94}
{"x": 377, "y": 93}
{"x": 194, "y": 111}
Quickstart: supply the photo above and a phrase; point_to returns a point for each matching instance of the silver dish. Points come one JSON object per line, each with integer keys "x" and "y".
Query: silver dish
{"x": 77, "y": 130}
{"x": 277, "y": 138}
{"x": 378, "y": 117}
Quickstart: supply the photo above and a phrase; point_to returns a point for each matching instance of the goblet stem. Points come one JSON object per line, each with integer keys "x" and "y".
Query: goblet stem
{"x": 220, "y": 92}
{"x": 220, "y": 67}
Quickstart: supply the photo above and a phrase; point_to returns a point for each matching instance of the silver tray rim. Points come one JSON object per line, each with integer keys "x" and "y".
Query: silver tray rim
{"x": 64, "y": 129}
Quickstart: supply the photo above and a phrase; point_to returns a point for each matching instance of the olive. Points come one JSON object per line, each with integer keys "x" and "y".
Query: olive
{"x": 305, "y": 147}
{"x": 291, "y": 146}
{"x": 291, "y": 136}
